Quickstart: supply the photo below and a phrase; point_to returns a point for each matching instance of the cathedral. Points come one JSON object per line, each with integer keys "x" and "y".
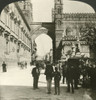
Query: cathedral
{"x": 67, "y": 29}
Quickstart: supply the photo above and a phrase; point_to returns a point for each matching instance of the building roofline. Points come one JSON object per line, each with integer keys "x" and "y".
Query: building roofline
{"x": 20, "y": 12}
{"x": 40, "y": 23}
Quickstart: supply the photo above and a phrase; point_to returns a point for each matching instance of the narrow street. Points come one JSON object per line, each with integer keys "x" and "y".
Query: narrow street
{"x": 16, "y": 84}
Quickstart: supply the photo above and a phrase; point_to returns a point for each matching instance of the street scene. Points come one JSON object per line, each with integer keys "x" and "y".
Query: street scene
{"x": 17, "y": 84}
{"x": 48, "y": 50}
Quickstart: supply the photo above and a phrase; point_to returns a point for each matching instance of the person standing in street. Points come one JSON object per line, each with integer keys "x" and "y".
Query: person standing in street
{"x": 57, "y": 78}
{"x": 64, "y": 68}
{"x": 25, "y": 64}
{"x": 4, "y": 69}
{"x": 49, "y": 74}
{"x": 70, "y": 78}
{"x": 35, "y": 73}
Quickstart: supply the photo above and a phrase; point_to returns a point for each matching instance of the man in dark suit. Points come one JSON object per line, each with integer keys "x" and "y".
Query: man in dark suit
{"x": 70, "y": 78}
{"x": 49, "y": 75}
{"x": 57, "y": 77}
{"x": 35, "y": 74}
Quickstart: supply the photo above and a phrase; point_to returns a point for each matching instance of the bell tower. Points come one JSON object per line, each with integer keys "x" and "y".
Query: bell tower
{"x": 58, "y": 12}
{"x": 58, "y": 7}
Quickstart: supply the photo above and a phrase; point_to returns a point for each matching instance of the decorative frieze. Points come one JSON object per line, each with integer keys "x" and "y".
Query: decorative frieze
{"x": 70, "y": 38}
{"x": 74, "y": 42}
{"x": 79, "y": 16}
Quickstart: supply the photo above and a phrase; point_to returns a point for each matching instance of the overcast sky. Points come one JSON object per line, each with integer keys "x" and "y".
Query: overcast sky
{"x": 44, "y": 44}
{"x": 42, "y": 9}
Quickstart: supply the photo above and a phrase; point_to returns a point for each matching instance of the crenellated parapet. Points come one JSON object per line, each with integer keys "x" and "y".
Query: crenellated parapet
{"x": 77, "y": 16}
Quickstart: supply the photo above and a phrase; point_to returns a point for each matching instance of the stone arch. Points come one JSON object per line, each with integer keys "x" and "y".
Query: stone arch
{"x": 41, "y": 30}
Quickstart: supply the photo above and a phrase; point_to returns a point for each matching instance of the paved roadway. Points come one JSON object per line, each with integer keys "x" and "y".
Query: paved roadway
{"x": 16, "y": 84}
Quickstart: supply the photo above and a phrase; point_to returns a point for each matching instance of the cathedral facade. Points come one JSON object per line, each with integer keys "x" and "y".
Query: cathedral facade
{"x": 67, "y": 28}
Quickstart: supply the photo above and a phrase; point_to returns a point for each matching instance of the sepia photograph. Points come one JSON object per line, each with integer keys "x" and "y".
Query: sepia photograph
{"x": 47, "y": 50}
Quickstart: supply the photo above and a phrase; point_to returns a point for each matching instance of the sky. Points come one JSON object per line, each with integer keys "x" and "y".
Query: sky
{"x": 42, "y": 12}
{"x": 44, "y": 44}
{"x": 42, "y": 9}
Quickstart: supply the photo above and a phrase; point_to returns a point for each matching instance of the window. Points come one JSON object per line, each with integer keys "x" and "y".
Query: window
{"x": 59, "y": 23}
{"x": 59, "y": 10}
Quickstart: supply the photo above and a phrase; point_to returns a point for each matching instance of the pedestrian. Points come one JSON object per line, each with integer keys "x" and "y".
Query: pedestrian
{"x": 57, "y": 78}
{"x": 25, "y": 64}
{"x": 49, "y": 74}
{"x": 4, "y": 68}
{"x": 35, "y": 73}
{"x": 64, "y": 68}
{"x": 70, "y": 78}
{"x": 93, "y": 77}
{"x": 76, "y": 76}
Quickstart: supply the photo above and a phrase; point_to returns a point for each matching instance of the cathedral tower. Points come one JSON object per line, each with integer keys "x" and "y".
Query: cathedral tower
{"x": 58, "y": 7}
{"x": 58, "y": 12}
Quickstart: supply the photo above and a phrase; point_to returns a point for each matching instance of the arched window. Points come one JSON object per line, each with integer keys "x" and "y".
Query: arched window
{"x": 69, "y": 31}
{"x": 59, "y": 22}
{"x": 59, "y": 10}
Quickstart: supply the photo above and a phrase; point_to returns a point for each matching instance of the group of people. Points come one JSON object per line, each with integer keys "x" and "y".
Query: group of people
{"x": 22, "y": 64}
{"x": 50, "y": 73}
{"x": 72, "y": 75}
{"x": 83, "y": 74}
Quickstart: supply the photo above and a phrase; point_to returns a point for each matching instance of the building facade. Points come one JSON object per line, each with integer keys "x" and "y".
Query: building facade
{"x": 26, "y": 7}
{"x": 15, "y": 45}
{"x": 67, "y": 28}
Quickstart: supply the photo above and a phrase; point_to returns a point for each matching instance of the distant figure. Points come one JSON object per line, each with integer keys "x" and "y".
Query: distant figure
{"x": 57, "y": 78}
{"x": 4, "y": 67}
{"x": 70, "y": 78}
{"x": 64, "y": 69}
{"x": 35, "y": 73}
{"x": 93, "y": 76}
{"x": 25, "y": 64}
{"x": 49, "y": 74}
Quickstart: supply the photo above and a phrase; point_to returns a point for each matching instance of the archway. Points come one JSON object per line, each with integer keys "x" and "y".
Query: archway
{"x": 44, "y": 45}
{"x": 40, "y": 40}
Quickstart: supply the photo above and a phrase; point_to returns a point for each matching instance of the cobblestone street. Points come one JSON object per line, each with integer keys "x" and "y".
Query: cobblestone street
{"x": 16, "y": 84}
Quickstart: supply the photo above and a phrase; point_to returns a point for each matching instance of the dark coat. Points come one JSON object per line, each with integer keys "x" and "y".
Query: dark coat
{"x": 4, "y": 67}
{"x": 35, "y": 72}
{"x": 70, "y": 73}
{"x": 57, "y": 76}
{"x": 49, "y": 71}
